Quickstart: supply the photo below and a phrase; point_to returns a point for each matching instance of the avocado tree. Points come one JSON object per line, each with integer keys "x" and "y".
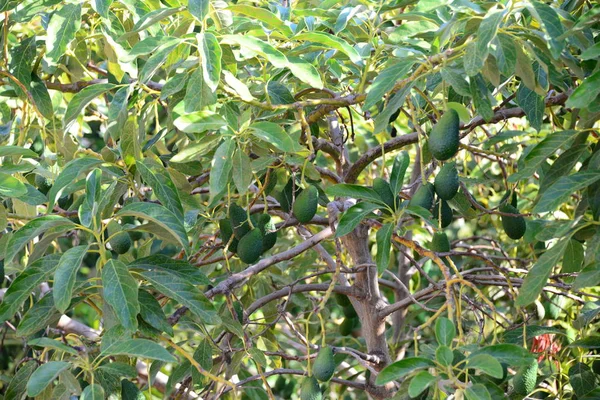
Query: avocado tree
{"x": 299, "y": 199}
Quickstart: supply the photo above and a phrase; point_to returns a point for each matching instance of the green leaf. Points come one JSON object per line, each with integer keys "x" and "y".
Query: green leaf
{"x": 477, "y": 392}
{"x": 524, "y": 68}
{"x": 152, "y": 313}
{"x": 540, "y": 153}
{"x": 274, "y": 134}
{"x": 590, "y": 276}
{"x": 139, "y": 348}
{"x": 161, "y": 216}
{"x": 354, "y": 191}
{"x": 156, "y": 61}
{"x": 263, "y": 15}
{"x": 586, "y": 92}
{"x": 93, "y": 392}
{"x": 563, "y": 188}
{"x": 181, "y": 268}
{"x": 481, "y": 97}
{"x": 330, "y": 41}
{"x": 119, "y": 369}
{"x": 68, "y": 175}
{"x": 510, "y": 354}
{"x": 533, "y": 105}
{"x": 471, "y": 60}
{"x": 200, "y": 121}
{"x": 590, "y": 342}
{"x": 402, "y": 368}
{"x": 17, "y": 151}
{"x": 266, "y": 50}
{"x": 41, "y": 97}
{"x": 591, "y": 52}
{"x": 344, "y": 17}
{"x": 102, "y": 7}
{"x": 121, "y": 293}
{"x": 384, "y": 244}
{"x": 242, "y": 171}
{"x": 65, "y": 274}
{"x": 444, "y": 356}
{"x": 199, "y": 8}
{"x": 31, "y": 230}
{"x": 582, "y": 379}
{"x": 305, "y": 71}
{"x": 486, "y": 364}
{"x": 148, "y": 20}
{"x": 157, "y": 177}
{"x": 573, "y": 258}
{"x": 238, "y": 86}
{"x": 538, "y": 275}
{"x": 221, "y": 167}
{"x": 456, "y": 80}
{"x": 353, "y": 216}
{"x": 444, "y": 331}
{"x": 51, "y": 344}
{"x": 506, "y": 54}
{"x": 203, "y": 354}
{"x": 548, "y": 17}
{"x": 279, "y": 93}
{"x": 419, "y": 383}
{"x": 383, "y": 118}
{"x": 563, "y": 164}
{"x": 61, "y": 30}
{"x": 486, "y": 33}
{"x": 385, "y": 81}
{"x": 81, "y": 100}
{"x": 18, "y": 385}
{"x": 38, "y": 317}
{"x": 11, "y": 186}
{"x": 22, "y": 57}
{"x": 194, "y": 151}
{"x": 399, "y": 168}
{"x": 210, "y": 52}
{"x": 44, "y": 376}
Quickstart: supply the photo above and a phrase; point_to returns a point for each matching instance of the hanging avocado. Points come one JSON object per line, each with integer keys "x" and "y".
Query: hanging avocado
{"x": 305, "y": 206}
{"x": 444, "y": 137}
{"x": 447, "y": 214}
{"x": 249, "y": 248}
{"x": 513, "y": 226}
{"x": 324, "y": 365}
{"x": 440, "y": 243}
{"x": 446, "y": 181}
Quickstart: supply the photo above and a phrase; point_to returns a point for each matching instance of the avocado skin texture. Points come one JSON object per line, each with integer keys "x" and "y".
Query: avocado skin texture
{"x": 440, "y": 243}
{"x": 382, "y": 187}
{"x": 446, "y": 181}
{"x": 267, "y": 228}
{"x": 310, "y": 390}
{"x": 43, "y": 184}
{"x": 285, "y": 197}
{"x": 347, "y": 326}
{"x": 324, "y": 365}
{"x": 444, "y": 136}
{"x": 249, "y": 248}
{"x": 423, "y": 197}
{"x": 65, "y": 202}
{"x": 447, "y": 213}
{"x": 342, "y": 299}
{"x": 239, "y": 221}
{"x": 305, "y": 206}
{"x": 513, "y": 226}
{"x": 120, "y": 242}
{"x": 226, "y": 233}
{"x": 525, "y": 379}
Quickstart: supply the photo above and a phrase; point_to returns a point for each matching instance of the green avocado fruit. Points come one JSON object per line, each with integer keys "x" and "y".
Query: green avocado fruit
{"x": 120, "y": 242}
{"x": 239, "y": 221}
{"x": 310, "y": 390}
{"x": 43, "y": 184}
{"x": 324, "y": 365}
{"x": 305, "y": 206}
{"x": 347, "y": 326}
{"x": 269, "y": 231}
{"x": 342, "y": 299}
{"x": 423, "y": 197}
{"x": 226, "y": 233}
{"x": 513, "y": 226}
{"x": 249, "y": 248}
{"x": 446, "y": 181}
{"x": 286, "y": 196}
{"x": 440, "y": 243}
{"x": 382, "y": 187}
{"x": 525, "y": 379}
{"x": 444, "y": 137}
{"x": 447, "y": 213}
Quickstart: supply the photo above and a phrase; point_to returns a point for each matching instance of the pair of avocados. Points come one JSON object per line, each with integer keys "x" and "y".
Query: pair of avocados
{"x": 322, "y": 371}
{"x": 248, "y": 237}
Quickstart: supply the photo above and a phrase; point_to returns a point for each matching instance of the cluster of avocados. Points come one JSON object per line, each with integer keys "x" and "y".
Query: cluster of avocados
{"x": 248, "y": 236}
{"x": 322, "y": 371}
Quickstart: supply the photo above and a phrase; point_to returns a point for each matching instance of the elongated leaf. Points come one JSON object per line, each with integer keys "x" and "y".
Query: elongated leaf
{"x": 354, "y": 191}
{"x": 22, "y": 58}
{"x": 199, "y": 122}
{"x": 148, "y": 20}
{"x": 486, "y": 33}
{"x": 45, "y": 375}
{"x": 402, "y": 368}
{"x": 41, "y": 97}
{"x": 487, "y": 364}
{"x": 590, "y": 276}
{"x": 161, "y": 216}
{"x": 242, "y": 171}
{"x": 582, "y": 379}
{"x": 266, "y": 50}
{"x": 444, "y": 331}
{"x": 31, "y": 230}
{"x": 477, "y": 392}
{"x": 68, "y": 175}
{"x": 263, "y": 15}
{"x": 419, "y": 383}
{"x": 238, "y": 86}
{"x": 11, "y": 186}
{"x": 279, "y": 93}
{"x": 199, "y": 8}
{"x": 18, "y": 385}
{"x": 533, "y": 105}
{"x": 62, "y": 28}
{"x": 275, "y": 135}
{"x": 181, "y": 268}
{"x": 509, "y": 354}
{"x": 140, "y": 348}
{"x": 386, "y": 80}
{"x": 383, "y": 118}
{"x": 38, "y": 317}
{"x": 51, "y": 344}
{"x": 211, "y": 53}
{"x": 195, "y": 151}
{"x": 457, "y": 81}
{"x": 384, "y": 244}
{"x": 399, "y": 168}
{"x": 121, "y": 292}
{"x": 330, "y": 41}
{"x": 156, "y": 61}
{"x": 563, "y": 165}
{"x": 221, "y": 167}
{"x": 65, "y": 274}
{"x": 157, "y": 177}
{"x": 564, "y": 187}
{"x": 353, "y": 216}
{"x": 152, "y": 313}
{"x": 305, "y": 71}
{"x": 17, "y": 151}
{"x": 586, "y": 93}
{"x": 93, "y": 392}
{"x": 548, "y": 17}
{"x": 101, "y": 7}
{"x": 81, "y": 100}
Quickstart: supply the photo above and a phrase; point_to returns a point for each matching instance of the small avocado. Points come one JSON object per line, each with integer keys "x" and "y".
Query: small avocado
{"x": 38, "y": 145}
{"x": 423, "y": 197}
{"x": 65, "y": 202}
{"x": 446, "y": 181}
{"x": 310, "y": 390}
{"x": 43, "y": 184}
{"x": 513, "y": 226}
{"x": 239, "y": 220}
{"x": 324, "y": 365}
{"x": 120, "y": 243}
{"x": 525, "y": 379}
{"x": 447, "y": 213}
{"x": 382, "y": 187}
{"x": 305, "y": 206}
{"x": 249, "y": 248}
{"x": 440, "y": 243}
{"x": 444, "y": 138}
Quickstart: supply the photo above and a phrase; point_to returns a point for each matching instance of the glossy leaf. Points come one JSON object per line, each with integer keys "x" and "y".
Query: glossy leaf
{"x": 211, "y": 54}
{"x": 384, "y": 244}
{"x": 330, "y": 41}
{"x": 61, "y": 30}
{"x": 402, "y": 368}
{"x": 386, "y": 80}
{"x": 44, "y": 376}
{"x": 81, "y": 100}
{"x": 275, "y": 135}
{"x": 139, "y": 348}
{"x": 563, "y": 188}
{"x": 11, "y": 186}
{"x": 353, "y": 216}
{"x": 221, "y": 167}
{"x": 121, "y": 292}
{"x": 65, "y": 274}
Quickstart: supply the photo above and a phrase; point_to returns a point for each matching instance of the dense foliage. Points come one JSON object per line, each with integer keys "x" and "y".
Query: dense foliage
{"x": 299, "y": 199}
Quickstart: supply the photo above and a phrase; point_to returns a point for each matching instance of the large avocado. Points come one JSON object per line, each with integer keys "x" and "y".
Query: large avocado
{"x": 324, "y": 365}
{"x": 305, "y": 206}
{"x": 382, "y": 187}
{"x": 513, "y": 226}
{"x": 440, "y": 243}
{"x": 447, "y": 214}
{"x": 444, "y": 136}
{"x": 423, "y": 197}
{"x": 310, "y": 389}
{"x": 249, "y": 248}
{"x": 446, "y": 181}
{"x": 120, "y": 242}
{"x": 525, "y": 379}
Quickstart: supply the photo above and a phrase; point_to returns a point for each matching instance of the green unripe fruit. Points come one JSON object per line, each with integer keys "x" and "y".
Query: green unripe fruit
{"x": 43, "y": 184}
{"x": 305, "y": 206}
{"x": 525, "y": 379}
{"x": 239, "y": 311}
{"x": 268, "y": 229}
{"x": 426, "y": 153}
{"x": 513, "y": 199}
{"x": 394, "y": 116}
{"x": 38, "y": 145}
{"x": 513, "y": 226}
{"x": 324, "y": 365}
{"x": 226, "y": 233}
{"x": 286, "y": 196}
{"x": 342, "y": 299}
{"x": 444, "y": 137}
{"x": 239, "y": 221}
{"x": 447, "y": 214}
{"x": 596, "y": 367}
{"x": 120, "y": 243}
{"x": 65, "y": 202}
{"x": 347, "y": 326}
{"x": 310, "y": 390}
{"x": 440, "y": 243}
{"x": 349, "y": 311}
{"x": 249, "y": 248}
{"x": 108, "y": 155}
{"x": 446, "y": 181}
{"x": 382, "y": 187}
{"x": 280, "y": 384}
{"x": 423, "y": 197}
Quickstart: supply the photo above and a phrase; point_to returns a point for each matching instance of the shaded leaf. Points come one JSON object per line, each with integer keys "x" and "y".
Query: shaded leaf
{"x": 121, "y": 292}
{"x": 81, "y": 100}
{"x": 402, "y": 368}
{"x": 44, "y": 376}
{"x": 353, "y": 216}
{"x": 139, "y": 348}
{"x": 65, "y": 274}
